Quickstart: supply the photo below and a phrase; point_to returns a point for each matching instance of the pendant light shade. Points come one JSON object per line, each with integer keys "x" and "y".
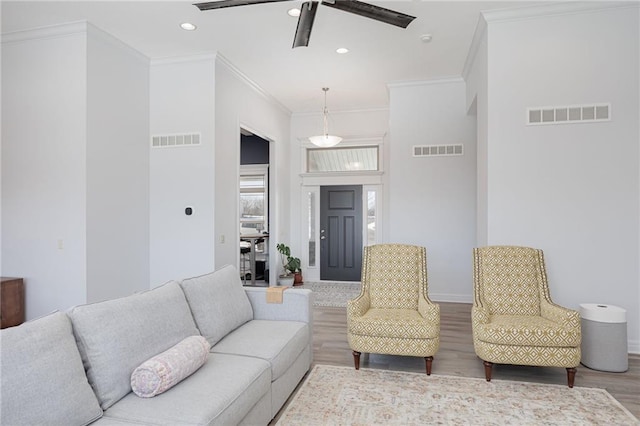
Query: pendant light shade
{"x": 325, "y": 140}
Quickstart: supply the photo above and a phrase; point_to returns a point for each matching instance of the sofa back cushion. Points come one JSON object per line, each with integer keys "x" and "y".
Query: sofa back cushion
{"x": 218, "y": 302}
{"x": 43, "y": 380}
{"x": 116, "y": 336}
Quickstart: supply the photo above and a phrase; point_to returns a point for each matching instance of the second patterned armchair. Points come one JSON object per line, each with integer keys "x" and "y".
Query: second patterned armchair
{"x": 393, "y": 314}
{"x": 513, "y": 318}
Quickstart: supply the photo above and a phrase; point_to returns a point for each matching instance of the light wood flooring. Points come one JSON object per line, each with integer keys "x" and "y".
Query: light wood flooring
{"x": 457, "y": 358}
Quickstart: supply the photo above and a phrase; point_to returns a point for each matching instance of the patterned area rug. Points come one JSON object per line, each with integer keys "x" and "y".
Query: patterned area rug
{"x": 332, "y": 294}
{"x": 343, "y": 396}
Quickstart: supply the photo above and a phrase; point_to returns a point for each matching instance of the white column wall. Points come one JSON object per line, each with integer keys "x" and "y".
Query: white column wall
{"x": 44, "y": 80}
{"x": 182, "y": 93}
{"x": 74, "y": 172}
{"x": 117, "y": 168}
{"x": 477, "y": 105}
{"x": 432, "y": 200}
{"x": 241, "y": 103}
{"x": 573, "y": 189}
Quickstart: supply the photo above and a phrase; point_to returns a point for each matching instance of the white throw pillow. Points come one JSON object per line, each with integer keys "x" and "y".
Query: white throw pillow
{"x": 163, "y": 371}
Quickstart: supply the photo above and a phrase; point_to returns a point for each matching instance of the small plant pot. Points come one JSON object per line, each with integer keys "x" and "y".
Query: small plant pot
{"x": 297, "y": 278}
{"x": 285, "y": 280}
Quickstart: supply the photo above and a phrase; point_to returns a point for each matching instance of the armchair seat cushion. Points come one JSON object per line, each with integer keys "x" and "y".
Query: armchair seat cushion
{"x": 526, "y": 330}
{"x": 397, "y": 323}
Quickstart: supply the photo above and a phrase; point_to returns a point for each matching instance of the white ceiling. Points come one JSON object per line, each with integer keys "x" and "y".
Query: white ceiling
{"x": 257, "y": 40}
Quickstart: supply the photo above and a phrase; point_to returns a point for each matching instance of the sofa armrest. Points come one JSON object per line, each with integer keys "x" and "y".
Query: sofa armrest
{"x": 567, "y": 318}
{"x": 296, "y": 305}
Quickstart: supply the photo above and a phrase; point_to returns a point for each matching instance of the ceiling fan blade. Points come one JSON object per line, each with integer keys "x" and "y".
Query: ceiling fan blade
{"x": 305, "y": 23}
{"x": 367, "y": 10}
{"x": 230, "y": 3}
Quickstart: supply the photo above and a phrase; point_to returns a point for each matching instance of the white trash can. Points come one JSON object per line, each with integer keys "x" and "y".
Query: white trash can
{"x": 604, "y": 337}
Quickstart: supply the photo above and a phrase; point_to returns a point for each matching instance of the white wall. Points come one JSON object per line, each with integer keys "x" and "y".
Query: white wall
{"x": 432, "y": 200}
{"x": 44, "y": 80}
{"x": 475, "y": 74}
{"x": 182, "y": 93}
{"x": 75, "y": 166}
{"x": 205, "y": 94}
{"x": 117, "y": 168}
{"x": 241, "y": 103}
{"x": 573, "y": 189}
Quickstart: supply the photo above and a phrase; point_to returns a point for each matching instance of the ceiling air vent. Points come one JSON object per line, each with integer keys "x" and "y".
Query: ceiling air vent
{"x": 166, "y": 141}
{"x": 437, "y": 150}
{"x": 568, "y": 114}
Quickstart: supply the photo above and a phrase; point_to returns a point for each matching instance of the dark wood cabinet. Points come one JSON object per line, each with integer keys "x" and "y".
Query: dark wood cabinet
{"x": 11, "y": 302}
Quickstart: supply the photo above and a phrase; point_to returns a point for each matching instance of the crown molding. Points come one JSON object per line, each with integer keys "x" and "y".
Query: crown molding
{"x": 377, "y": 138}
{"x": 255, "y": 87}
{"x": 342, "y": 111}
{"x": 553, "y": 9}
{"x": 104, "y": 36}
{"x": 218, "y": 58}
{"x": 53, "y": 31}
{"x": 429, "y": 82}
{"x": 199, "y": 57}
{"x": 478, "y": 35}
{"x": 532, "y": 12}
{"x": 70, "y": 29}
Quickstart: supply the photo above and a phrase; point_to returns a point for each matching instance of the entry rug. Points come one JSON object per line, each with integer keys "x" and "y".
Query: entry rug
{"x": 332, "y": 294}
{"x": 345, "y": 396}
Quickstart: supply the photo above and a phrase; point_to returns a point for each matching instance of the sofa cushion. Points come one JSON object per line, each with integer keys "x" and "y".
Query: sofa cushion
{"x": 218, "y": 302}
{"x": 43, "y": 380}
{"x": 279, "y": 342}
{"x": 221, "y": 392}
{"x": 163, "y": 371}
{"x": 116, "y": 336}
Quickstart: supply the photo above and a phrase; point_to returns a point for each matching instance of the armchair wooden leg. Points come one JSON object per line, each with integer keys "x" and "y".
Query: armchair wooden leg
{"x": 487, "y": 370}
{"x": 429, "y": 360}
{"x": 571, "y": 376}
{"x": 356, "y": 359}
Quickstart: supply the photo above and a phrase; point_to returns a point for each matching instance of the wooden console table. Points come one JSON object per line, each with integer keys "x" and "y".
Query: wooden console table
{"x": 11, "y": 302}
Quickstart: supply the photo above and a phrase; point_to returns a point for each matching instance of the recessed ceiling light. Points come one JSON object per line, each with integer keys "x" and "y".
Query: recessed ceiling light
{"x": 293, "y": 12}
{"x": 426, "y": 38}
{"x": 342, "y": 50}
{"x": 188, "y": 26}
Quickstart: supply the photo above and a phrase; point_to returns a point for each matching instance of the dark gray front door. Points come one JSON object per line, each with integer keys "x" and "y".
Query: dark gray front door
{"x": 340, "y": 233}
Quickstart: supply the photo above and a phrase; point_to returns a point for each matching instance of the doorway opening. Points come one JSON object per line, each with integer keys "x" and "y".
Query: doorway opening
{"x": 254, "y": 209}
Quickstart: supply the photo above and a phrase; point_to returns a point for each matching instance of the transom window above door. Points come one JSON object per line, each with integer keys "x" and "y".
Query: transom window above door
{"x": 347, "y": 159}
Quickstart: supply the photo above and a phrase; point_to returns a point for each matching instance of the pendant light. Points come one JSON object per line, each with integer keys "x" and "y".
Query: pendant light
{"x": 325, "y": 140}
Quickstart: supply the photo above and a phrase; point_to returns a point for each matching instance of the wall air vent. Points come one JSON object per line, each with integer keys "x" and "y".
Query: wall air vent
{"x": 166, "y": 141}
{"x": 437, "y": 150}
{"x": 568, "y": 114}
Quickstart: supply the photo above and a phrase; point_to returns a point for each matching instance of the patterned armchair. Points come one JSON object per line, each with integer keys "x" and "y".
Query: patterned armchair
{"x": 393, "y": 314}
{"x": 513, "y": 318}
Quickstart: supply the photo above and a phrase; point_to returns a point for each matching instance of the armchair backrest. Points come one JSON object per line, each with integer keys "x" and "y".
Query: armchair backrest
{"x": 394, "y": 275}
{"x": 509, "y": 280}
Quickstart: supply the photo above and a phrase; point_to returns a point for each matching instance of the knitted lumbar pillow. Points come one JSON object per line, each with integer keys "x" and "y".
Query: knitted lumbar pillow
{"x": 161, "y": 372}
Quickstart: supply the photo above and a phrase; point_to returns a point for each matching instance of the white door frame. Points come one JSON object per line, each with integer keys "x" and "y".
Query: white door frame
{"x": 371, "y": 181}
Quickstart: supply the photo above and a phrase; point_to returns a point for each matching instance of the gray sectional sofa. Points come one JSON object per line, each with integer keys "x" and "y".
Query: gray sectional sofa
{"x": 75, "y": 368}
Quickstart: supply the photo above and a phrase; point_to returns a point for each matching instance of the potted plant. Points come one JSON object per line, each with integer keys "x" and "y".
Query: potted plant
{"x": 291, "y": 265}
